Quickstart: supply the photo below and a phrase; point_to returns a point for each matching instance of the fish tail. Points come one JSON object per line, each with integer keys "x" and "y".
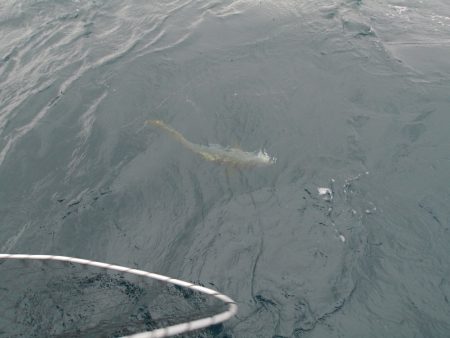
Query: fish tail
{"x": 162, "y": 125}
{"x": 156, "y": 123}
{"x": 175, "y": 134}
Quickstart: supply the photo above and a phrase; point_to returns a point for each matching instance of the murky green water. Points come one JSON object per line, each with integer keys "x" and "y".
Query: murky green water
{"x": 352, "y": 96}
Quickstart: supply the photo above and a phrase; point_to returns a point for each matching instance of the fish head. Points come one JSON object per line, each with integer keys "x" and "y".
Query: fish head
{"x": 263, "y": 158}
{"x": 256, "y": 159}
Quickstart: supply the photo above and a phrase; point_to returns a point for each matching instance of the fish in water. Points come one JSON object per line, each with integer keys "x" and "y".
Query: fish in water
{"x": 217, "y": 153}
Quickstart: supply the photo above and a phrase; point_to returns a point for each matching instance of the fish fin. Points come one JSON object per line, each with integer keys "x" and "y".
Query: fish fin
{"x": 237, "y": 145}
{"x": 207, "y": 156}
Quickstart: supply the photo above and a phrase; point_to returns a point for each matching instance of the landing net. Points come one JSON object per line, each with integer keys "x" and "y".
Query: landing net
{"x": 58, "y": 296}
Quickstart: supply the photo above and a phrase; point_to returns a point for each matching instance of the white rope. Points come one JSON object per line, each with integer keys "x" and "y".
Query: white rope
{"x": 159, "y": 333}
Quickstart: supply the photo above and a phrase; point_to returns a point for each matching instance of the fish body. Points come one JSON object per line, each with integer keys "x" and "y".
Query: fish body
{"x": 217, "y": 153}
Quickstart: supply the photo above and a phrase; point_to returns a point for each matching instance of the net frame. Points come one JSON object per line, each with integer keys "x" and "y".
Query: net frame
{"x": 158, "y": 333}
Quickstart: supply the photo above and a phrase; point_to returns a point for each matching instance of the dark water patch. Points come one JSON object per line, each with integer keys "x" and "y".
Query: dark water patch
{"x": 346, "y": 235}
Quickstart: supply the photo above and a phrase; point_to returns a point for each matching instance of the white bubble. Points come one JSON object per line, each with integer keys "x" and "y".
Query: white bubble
{"x": 326, "y": 193}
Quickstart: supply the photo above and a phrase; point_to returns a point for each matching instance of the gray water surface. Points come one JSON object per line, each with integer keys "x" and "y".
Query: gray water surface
{"x": 352, "y": 96}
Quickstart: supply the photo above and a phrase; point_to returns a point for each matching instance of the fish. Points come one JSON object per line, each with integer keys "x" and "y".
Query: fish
{"x": 217, "y": 153}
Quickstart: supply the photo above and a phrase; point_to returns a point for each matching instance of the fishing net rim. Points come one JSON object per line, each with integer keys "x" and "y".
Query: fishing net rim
{"x": 158, "y": 333}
